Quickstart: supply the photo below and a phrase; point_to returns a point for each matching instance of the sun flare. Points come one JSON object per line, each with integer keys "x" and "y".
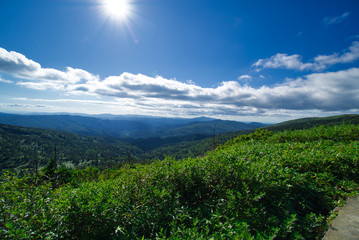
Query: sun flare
{"x": 118, "y": 9}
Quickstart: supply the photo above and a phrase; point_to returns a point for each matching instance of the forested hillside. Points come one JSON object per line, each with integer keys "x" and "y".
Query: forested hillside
{"x": 22, "y": 148}
{"x": 25, "y": 148}
{"x": 263, "y": 185}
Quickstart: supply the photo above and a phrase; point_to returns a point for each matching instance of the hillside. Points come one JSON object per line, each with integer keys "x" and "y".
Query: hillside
{"x": 200, "y": 147}
{"x": 304, "y": 123}
{"x": 264, "y": 185}
{"x": 24, "y": 147}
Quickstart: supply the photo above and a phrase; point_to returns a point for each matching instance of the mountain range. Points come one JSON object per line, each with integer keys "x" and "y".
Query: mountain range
{"x": 129, "y": 126}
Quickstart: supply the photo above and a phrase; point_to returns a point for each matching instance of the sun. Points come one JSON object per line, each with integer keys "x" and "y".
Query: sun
{"x": 119, "y": 14}
{"x": 118, "y": 9}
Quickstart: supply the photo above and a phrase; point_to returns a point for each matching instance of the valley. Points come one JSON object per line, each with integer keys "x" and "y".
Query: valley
{"x": 106, "y": 141}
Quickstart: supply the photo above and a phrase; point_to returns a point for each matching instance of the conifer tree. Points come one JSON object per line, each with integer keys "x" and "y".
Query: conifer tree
{"x": 51, "y": 167}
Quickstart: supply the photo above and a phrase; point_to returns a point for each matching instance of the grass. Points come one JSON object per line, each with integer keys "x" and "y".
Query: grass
{"x": 259, "y": 186}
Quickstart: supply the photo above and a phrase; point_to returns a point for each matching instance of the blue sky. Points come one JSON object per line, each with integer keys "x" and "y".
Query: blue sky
{"x": 244, "y": 60}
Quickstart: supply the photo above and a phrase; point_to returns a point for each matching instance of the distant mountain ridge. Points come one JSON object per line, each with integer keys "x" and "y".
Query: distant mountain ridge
{"x": 126, "y": 126}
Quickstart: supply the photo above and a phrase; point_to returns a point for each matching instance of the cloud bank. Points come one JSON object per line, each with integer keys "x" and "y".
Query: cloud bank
{"x": 41, "y": 78}
{"x": 329, "y": 91}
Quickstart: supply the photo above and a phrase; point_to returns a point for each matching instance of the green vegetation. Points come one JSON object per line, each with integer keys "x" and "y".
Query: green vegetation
{"x": 186, "y": 147}
{"x": 305, "y": 123}
{"x": 28, "y": 148}
{"x": 25, "y": 148}
{"x": 22, "y": 149}
{"x": 263, "y": 185}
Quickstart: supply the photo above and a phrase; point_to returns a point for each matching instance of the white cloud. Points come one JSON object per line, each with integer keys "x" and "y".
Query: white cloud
{"x": 16, "y": 63}
{"x": 349, "y": 56}
{"x": 40, "y": 78}
{"x": 320, "y": 62}
{"x": 247, "y": 77}
{"x": 330, "y": 91}
{"x": 324, "y": 91}
{"x": 5, "y": 81}
{"x": 337, "y": 19}
{"x": 282, "y": 60}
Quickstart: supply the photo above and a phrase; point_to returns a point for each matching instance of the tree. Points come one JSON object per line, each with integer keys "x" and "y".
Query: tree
{"x": 214, "y": 138}
{"x": 51, "y": 167}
